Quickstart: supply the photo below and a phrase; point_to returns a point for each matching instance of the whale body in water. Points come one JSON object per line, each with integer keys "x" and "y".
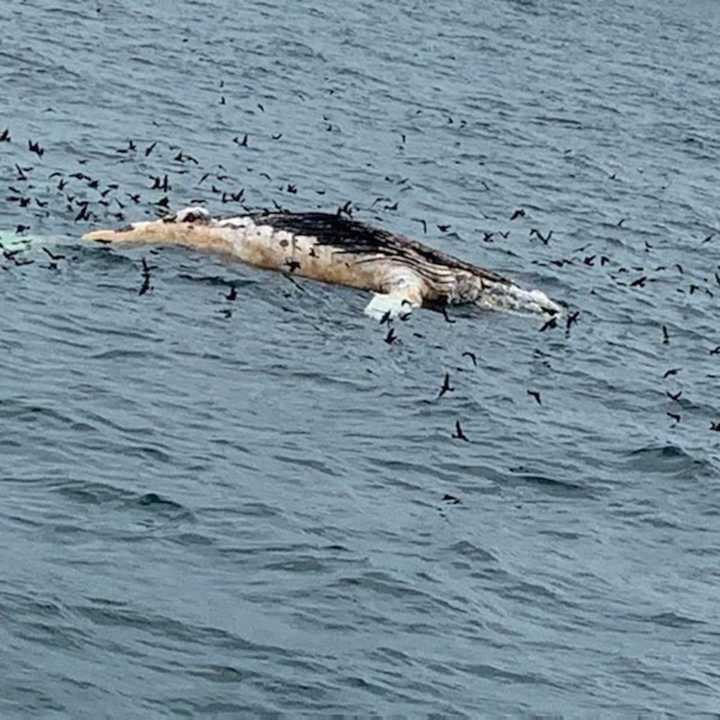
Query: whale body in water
{"x": 402, "y": 273}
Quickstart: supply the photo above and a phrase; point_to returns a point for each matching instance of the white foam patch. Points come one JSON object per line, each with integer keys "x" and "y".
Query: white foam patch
{"x": 192, "y": 214}
{"x": 12, "y": 241}
{"x": 515, "y": 299}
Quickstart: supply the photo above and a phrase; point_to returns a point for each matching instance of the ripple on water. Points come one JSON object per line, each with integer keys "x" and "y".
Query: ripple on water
{"x": 235, "y": 507}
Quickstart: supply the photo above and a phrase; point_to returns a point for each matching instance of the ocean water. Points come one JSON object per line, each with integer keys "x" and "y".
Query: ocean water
{"x": 256, "y": 508}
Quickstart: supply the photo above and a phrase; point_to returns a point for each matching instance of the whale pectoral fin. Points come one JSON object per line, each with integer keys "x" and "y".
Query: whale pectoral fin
{"x": 403, "y": 296}
{"x": 389, "y": 305}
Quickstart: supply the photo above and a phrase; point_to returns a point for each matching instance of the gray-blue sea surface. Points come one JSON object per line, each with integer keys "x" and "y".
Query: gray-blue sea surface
{"x": 256, "y": 508}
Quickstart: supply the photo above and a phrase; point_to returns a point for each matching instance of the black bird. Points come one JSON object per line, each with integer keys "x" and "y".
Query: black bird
{"x": 487, "y": 236}
{"x": 147, "y": 268}
{"x": 150, "y": 148}
{"x": 545, "y": 239}
{"x": 20, "y": 263}
{"x": 445, "y": 386}
{"x": 145, "y": 286}
{"x": 292, "y": 189}
{"x": 674, "y": 416}
{"x": 505, "y": 235}
{"x": 572, "y": 318}
{"x": 390, "y": 338}
{"x": 451, "y": 499}
{"x": 471, "y": 356}
{"x": 276, "y": 137}
{"x": 83, "y": 214}
{"x": 345, "y": 209}
{"x": 715, "y": 351}
{"x": 292, "y": 264}
{"x": 666, "y": 337}
{"x": 517, "y": 214}
{"x": 672, "y": 371}
{"x": 443, "y": 228}
{"x": 639, "y": 282}
{"x": 551, "y": 323}
{"x": 5, "y": 137}
{"x": 589, "y": 260}
{"x": 536, "y": 395}
{"x": 448, "y": 319}
{"x": 159, "y": 184}
{"x": 715, "y": 426}
{"x": 35, "y": 147}
{"x": 459, "y": 434}
{"x": 232, "y": 295}
{"x": 422, "y": 222}
{"x": 675, "y": 397}
{"x": 243, "y": 142}
{"x": 21, "y": 229}
{"x": 706, "y": 240}
{"x": 52, "y": 256}
{"x": 621, "y": 222}
{"x": 386, "y": 317}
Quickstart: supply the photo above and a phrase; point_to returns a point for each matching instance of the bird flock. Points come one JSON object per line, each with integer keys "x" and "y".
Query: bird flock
{"x": 80, "y": 196}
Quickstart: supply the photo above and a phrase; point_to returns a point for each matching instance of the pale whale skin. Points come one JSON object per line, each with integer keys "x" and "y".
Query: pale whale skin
{"x": 403, "y": 273}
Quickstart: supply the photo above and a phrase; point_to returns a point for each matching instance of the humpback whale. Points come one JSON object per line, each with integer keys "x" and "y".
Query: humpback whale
{"x": 402, "y": 273}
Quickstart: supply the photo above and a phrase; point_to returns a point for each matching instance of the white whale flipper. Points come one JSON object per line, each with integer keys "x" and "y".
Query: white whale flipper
{"x": 404, "y": 294}
{"x": 396, "y": 304}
